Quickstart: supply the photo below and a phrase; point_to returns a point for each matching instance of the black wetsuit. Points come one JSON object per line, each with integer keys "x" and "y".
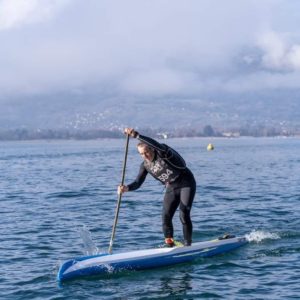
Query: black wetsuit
{"x": 170, "y": 169}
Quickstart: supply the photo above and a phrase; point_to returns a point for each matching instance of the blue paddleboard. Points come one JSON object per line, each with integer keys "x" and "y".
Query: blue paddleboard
{"x": 101, "y": 264}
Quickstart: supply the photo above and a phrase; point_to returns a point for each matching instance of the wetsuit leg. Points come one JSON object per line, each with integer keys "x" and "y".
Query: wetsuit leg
{"x": 186, "y": 200}
{"x": 171, "y": 202}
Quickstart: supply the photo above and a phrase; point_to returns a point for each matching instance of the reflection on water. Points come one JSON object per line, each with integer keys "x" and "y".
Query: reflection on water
{"x": 177, "y": 285}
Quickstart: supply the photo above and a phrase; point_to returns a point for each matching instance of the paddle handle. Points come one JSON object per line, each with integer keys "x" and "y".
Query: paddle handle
{"x": 119, "y": 198}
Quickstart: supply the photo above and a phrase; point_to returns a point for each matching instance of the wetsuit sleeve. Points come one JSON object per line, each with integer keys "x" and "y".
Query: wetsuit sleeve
{"x": 139, "y": 179}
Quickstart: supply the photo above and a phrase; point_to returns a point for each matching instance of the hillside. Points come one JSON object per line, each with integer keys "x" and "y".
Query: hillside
{"x": 88, "y": 110}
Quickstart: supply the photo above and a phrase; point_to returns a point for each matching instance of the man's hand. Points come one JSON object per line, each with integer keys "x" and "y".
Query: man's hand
{"x": 122, "y": 189}
{"x": 131, "y": 132}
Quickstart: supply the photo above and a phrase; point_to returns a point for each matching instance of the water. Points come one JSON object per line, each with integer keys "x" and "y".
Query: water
{"x": 58, "y": 198}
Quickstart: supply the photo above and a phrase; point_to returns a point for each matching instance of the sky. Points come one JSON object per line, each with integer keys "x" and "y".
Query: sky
{"x": 148, "y": 48}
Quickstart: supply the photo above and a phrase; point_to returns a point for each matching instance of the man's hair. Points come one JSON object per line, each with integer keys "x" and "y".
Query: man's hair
{"x": 144, "y": 145}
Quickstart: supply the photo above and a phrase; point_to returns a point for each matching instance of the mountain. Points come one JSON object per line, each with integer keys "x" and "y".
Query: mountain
{"x": 92, "y": 110}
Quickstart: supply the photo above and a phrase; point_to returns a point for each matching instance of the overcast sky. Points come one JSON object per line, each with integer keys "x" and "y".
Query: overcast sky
{"x": 142, "y": 47}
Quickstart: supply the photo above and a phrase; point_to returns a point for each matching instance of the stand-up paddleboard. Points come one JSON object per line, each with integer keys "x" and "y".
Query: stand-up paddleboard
{"x": 145, "y": 259}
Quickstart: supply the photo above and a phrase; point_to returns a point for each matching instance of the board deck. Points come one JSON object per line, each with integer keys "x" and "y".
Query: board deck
{"x": 144, "y": 259}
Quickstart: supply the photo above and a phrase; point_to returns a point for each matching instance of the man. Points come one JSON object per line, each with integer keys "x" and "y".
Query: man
{"x": 168, "y": 167}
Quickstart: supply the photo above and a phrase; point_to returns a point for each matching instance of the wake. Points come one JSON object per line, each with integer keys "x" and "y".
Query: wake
{"x": 260, "y": 235}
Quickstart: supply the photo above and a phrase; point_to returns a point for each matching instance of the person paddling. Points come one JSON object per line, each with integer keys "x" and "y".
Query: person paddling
{"x": 167, "y": 166}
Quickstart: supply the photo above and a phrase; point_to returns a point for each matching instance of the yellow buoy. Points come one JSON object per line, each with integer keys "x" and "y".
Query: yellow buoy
{"x": 210, "y": 147}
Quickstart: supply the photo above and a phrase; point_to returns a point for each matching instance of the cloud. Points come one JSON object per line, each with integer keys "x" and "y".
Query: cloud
{"x": 259, "y": 81}
{"x": 159, "y": 82}
{"x": 145, "y": 48}
{"x": 278, "y": 53}
{"x": 15, "y": 13}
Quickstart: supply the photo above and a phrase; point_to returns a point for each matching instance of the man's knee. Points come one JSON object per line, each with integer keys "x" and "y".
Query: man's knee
{"x": 184, "y": 215}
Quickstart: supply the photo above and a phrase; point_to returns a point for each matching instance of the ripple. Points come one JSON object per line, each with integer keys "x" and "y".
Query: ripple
{"x": 50, "y": 193}
{"x": 68, "y": 194}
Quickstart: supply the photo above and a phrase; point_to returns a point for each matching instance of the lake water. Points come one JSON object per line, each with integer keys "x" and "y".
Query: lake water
{"x": 58, "y": 198}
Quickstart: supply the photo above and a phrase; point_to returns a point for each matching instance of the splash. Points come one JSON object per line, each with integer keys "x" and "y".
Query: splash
{"x": 260, "y": 235}
{"x": 89, "y": 246}
{"x": 110, "y": 269}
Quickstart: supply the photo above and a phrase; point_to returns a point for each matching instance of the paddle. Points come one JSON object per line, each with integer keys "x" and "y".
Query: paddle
{"x": 119, "y": 198}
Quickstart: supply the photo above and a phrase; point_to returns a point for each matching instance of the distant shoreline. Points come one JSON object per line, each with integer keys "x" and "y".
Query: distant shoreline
{"x": 170, "y": 138}
{"x": 25, "y": 134}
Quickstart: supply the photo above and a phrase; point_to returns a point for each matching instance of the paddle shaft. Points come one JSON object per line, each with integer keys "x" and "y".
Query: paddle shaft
{"x": 119, "y": 198}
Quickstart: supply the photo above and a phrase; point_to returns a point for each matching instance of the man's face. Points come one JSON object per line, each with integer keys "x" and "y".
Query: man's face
{"x": 147, "y": 153}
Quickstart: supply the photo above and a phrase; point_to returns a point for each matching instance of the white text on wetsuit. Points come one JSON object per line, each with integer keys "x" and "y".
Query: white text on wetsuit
{"x": 161, "y": 171}
{"x": 165, "y": 176}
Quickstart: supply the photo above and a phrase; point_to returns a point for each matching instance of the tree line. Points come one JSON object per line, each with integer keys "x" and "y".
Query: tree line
{"x": 206, "y": 131}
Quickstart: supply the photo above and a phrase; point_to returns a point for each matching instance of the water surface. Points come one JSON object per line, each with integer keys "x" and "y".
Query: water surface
{"x": 58, "y": 198}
